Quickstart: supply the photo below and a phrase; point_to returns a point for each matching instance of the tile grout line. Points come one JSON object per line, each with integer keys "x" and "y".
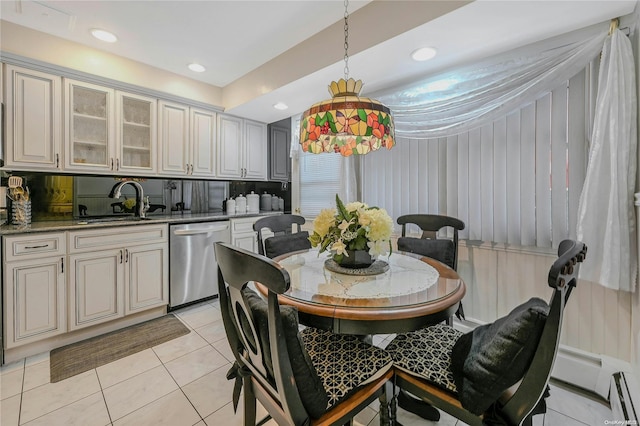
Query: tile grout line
{"x": 104, "y": 398}
{"x": 180, "y": 387}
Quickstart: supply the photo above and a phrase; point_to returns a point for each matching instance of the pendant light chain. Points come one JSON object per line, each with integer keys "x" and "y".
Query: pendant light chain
{"x": 346, "y": 39}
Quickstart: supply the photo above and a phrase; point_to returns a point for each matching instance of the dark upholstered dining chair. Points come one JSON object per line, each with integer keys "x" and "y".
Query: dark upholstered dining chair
{"x": 284, "y": 240}
{"x": 444, "y": 250}
{"x": 308, "y": 377}
{"x": 498, "y": 373}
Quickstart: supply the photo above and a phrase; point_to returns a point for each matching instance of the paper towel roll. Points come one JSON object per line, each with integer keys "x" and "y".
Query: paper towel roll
{"x": 3, "y": 197}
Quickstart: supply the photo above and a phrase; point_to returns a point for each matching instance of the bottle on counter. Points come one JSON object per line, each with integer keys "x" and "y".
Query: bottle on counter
{"x": 265, "y": 202}
{"x": 231, "y": 206}
{"x": 281, "y": 204}
{"x": 241, "y": 204}
{"x": 253, "y": 203}
{"x": 274, "y": 203}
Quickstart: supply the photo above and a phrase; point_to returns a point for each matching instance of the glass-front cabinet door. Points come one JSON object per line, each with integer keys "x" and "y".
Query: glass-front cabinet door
{"x": 90, "y": 135}
{"x": 136, "y": 133}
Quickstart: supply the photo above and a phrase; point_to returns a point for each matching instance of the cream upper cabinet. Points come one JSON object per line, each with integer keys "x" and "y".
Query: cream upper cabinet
{"x": 242, "y": 148}
{"x": 255, "y": 150}
{"x": 173, "y": 136}
{"x": 136, "y": 137}
{"x": 90, "y": 132}
{"x": 109, "y": 131}
{"x": 203, "y": 142}
{"x": 229, "y": 150}
{"x": 33, "y": 120}
{"x": 187, "y": 140}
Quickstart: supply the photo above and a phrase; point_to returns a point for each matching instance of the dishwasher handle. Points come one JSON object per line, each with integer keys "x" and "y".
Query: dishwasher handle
{"x": 182, "y": 232}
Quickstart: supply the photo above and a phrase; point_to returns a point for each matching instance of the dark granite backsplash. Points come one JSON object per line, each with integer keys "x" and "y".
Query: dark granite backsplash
{"x": 56, "y": 197}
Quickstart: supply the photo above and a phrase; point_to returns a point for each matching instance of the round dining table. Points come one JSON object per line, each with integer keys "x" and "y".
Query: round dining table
{"x": 412, "y": 292}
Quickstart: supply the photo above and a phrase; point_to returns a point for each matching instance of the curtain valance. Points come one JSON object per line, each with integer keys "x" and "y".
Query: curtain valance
{"x": 460, "y": 100}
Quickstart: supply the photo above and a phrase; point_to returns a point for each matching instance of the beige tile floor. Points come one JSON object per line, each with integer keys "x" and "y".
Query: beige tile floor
{"x": 182, "y": 382}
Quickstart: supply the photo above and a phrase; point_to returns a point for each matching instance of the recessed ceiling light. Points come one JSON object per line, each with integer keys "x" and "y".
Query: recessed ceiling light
{"x": 281, "y": 106}
{"x": 423, "y": 54}
{"x": 104, "y": 35}
{"x": 196, "y": 67}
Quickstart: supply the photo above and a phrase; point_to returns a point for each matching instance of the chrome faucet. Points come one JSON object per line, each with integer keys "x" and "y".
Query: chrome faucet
{"x": 141, "y": 205}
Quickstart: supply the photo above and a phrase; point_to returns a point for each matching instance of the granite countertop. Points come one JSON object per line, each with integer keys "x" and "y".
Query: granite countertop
{"x": 77, "y": 224}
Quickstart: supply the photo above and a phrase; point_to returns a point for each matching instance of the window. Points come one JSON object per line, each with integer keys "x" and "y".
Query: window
{"x": 517, "y": 180}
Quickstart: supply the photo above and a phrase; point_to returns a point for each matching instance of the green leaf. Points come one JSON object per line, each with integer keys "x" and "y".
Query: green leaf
{"x": 360, "y": 243}
{"x": 325, "y": 244}
{"x": 362, "y": 114}
{"x": 369, "y": 131}
{"x": 322, "y": 120}
{"x": 332, "y": 126}
{"x": 342, "y": 211}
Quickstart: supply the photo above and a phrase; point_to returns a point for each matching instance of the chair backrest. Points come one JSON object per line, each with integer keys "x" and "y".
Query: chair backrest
{"x": 428, "y": 244}
{"x": 281, "y": 225}
{"x": 521, "y": 399}
{"x": 260, "y": 348}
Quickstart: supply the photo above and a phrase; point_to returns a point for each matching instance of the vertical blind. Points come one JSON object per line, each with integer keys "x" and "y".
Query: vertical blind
{"x": 516, "y": 180}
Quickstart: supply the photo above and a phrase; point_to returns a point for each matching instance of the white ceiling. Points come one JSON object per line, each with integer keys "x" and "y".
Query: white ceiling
{"x": 234, "y": 38}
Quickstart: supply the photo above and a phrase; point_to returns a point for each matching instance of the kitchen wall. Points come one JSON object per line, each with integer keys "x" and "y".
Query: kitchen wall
{"x": 57, "y": 51}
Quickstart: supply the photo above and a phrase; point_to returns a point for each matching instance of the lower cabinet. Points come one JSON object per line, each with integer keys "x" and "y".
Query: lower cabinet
{"x": 34, "y": 288}
{"x": 243, "y": 235}
{"x": 35, "y": 295}
{"x": 124, "y": 274}
{"x": 96, "y": 287}
{"x": 59, "y": 282}
{"x": 146, "y": 268}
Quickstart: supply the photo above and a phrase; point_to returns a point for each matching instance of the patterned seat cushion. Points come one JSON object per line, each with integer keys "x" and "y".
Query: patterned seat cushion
{"x": 426, "y": 353}
{"x": 343, "y": 362}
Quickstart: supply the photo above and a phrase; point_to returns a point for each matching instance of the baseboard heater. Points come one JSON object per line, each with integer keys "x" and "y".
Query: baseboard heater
{"x": 624, "y": 408}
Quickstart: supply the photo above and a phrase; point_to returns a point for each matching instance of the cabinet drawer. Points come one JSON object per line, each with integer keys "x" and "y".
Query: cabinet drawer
{"x": 107, "y": 238}
{"x": 243, "y": 225}
{"x": 34, "y": 246}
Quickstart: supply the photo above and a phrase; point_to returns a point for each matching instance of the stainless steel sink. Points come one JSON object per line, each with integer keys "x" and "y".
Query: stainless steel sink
{"x": 112, "y": 219}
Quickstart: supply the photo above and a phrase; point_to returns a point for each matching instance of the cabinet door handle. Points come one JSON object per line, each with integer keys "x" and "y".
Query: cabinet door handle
{"x": 191, "y": 169}
{"x": 62, "y": 265}
{"x": 111, "y": 163}
{"x": 126, "y": 255}
{"x": 57, "y": 161}
{"x": 117, "y": 164}
{"x": 120, "y": 256}
{"x": 37, "y": 247}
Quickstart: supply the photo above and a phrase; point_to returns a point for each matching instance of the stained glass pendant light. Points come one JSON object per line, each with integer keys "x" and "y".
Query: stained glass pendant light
{"x": 346, "y": 123}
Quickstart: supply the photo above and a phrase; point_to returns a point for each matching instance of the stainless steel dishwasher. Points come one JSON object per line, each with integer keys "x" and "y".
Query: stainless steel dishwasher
{"x": 193, "y": 270}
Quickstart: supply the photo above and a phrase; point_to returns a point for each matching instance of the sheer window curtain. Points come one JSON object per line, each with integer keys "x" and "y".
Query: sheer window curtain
{"x": 606, "y": 219}
{"x": 472, "y": 98}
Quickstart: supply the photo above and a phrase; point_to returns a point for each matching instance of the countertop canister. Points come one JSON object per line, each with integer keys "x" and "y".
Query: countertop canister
{"x": 231, "y": 206}
{"x": 241, "y": 204}
{"x": 253, "y": 203}
{"x": 274, "y": 203}
{"x": 265, "y": 202}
